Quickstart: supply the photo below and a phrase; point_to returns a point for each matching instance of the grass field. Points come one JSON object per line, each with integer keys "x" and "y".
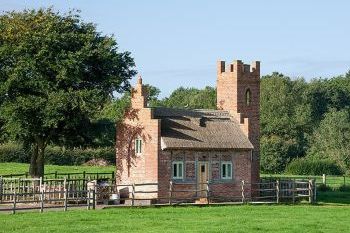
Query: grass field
{"x": 246, "y": 218}
{"x": 18, "y": 168}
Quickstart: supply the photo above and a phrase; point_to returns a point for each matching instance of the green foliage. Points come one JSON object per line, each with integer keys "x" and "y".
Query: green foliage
{"x": 332, "y": 139}
{"x": 324, "y": 188}
{"x": 56, "y": 73}
{"x": 285, "y": 121}
{"x": 191, "y": 98}
{"x": 275, "y": 153}
{"x": 304, "y": 166}
{"x": 344, "y": 188}
{"x": 14, "y": 152}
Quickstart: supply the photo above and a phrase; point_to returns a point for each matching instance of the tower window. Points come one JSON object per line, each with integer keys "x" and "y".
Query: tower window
{"x": 248, "y": 97}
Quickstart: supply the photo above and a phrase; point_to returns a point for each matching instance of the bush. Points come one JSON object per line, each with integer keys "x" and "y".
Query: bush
{"x": 13, "y": 152}
{"x": 324, "y": 188}
{"x": 344, "y": 188}
{"x": 304, "y": 166}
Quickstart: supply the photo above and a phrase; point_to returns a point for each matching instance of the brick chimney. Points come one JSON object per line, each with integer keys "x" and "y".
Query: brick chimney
{"x": 139, "y": 95}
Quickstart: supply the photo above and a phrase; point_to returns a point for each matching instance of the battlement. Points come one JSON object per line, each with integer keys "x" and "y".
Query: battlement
{"x": 238, "y": 67}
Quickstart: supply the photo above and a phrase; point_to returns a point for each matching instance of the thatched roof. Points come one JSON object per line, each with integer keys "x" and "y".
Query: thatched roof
{"x": 200, "y": 129}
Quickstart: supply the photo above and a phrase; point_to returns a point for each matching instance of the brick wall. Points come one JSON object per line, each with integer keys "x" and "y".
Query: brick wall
{"x": 233, "y": 82}
{"x": 241, "y": 161}
{"x": 138, "y": 123}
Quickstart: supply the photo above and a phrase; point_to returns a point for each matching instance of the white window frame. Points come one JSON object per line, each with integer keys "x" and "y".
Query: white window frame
{"x": 177, "y": 164}
{"x": 138, "y": 146}
{"x": 226, "y": 163}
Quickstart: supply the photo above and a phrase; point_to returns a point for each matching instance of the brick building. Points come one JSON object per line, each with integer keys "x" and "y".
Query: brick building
{"x": 190, "y": 147}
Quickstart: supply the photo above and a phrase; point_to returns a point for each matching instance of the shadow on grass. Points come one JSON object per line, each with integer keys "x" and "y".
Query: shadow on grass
{"x": 333, "y": 197}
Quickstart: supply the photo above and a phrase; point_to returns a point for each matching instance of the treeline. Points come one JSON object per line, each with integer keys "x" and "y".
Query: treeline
{"x": 305, "y": 126}
{"x": 308, "y": 122}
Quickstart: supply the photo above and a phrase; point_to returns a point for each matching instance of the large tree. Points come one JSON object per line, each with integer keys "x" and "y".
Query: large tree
{"x": 56, "y": 72}
{"x": 331, "y": 140}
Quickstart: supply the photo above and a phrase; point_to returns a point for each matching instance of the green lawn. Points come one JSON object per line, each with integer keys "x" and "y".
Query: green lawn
{"x": 246, "y": 218}
{"x": 17, "y": 168}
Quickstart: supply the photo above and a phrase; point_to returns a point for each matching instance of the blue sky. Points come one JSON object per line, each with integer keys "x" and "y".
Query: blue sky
{"x": 177, "y": 43}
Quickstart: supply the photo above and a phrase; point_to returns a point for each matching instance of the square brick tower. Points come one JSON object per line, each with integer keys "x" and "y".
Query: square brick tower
{"x": 238, "y": 91}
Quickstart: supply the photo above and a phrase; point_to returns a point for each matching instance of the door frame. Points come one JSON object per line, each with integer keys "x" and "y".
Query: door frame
{"x": 198, "y": 175}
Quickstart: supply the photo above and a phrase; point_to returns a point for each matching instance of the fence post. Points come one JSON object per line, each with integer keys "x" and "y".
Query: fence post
{"x": 14, "y": 202}
{"x": 65, "y": 198}
{"x": 133, "y": 195}
{"x": 242, "y": 187}
{"x": 293, "y": 190}
{"x": 171, "y": 192}
{"x": 56, "y": 175}
{"x": 93, "y": 199}
{"x": 88, "y": 199}
{"x": 310, "y": 191}
{"x": 324, "y": 179}
{"x": 42, "y": 200}
{"x": 277, "y": 191}
{"x": 315, "y": 191}
{"x": 84, "y": 173}
{"x": 208, "y": 193}
{"x": 1, "y": 185}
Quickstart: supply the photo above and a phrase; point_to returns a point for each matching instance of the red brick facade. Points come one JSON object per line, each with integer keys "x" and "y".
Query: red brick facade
{"x": 155, "y": 165}
{"x": 233, "y": 82}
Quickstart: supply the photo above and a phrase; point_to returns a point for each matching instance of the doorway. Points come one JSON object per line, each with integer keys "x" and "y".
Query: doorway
{"x": 203, "y": 177}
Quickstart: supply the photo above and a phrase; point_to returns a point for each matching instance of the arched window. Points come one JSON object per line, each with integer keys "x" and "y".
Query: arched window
{"x": 248, "y": 97}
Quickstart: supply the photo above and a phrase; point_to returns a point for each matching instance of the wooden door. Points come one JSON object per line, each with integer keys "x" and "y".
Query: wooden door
{"x": 203, "y": 177}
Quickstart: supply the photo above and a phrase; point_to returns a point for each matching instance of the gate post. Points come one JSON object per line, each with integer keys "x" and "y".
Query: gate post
{"x": 277, "y": 191}
{"x": 310, "y": 191}
{"x": 170, "y": 192}
{"x": 208, "y": 192}
{"x": 242, "y": 187}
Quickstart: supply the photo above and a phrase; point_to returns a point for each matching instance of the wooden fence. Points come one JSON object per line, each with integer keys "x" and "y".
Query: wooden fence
{"x": 49, "y": 199}
{"x": 25, "y": 194}
{"x": 329, "y": 180}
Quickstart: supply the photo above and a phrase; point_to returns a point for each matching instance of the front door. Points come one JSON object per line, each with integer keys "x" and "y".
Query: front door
{"x": 203, "y": 177}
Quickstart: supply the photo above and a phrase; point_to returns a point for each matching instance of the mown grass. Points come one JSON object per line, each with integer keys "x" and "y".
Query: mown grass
{"x": 19, "y": 168}
{"x": 246, "y": 218}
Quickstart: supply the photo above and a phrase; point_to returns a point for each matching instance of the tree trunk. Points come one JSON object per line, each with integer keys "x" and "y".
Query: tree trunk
{"x": 37, "y": 160}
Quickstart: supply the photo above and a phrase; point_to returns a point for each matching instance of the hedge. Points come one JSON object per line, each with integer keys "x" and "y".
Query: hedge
{"x": 305, "y": 166}
{"x": 13, "y": 152}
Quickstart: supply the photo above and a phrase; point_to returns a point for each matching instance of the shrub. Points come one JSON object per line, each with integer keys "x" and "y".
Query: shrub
{"x": 324, "y": 188}
{"x": 344, "y": 188}
{"x": 305, "y": 166}
{"x": 14, "y": 152}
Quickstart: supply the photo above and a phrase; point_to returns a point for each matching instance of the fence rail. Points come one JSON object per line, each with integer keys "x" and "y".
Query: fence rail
{"x": 329, "y": 180}
{"x": 25, "y": 194}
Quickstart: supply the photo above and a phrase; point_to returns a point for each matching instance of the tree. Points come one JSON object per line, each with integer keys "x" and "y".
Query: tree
{"x": 285, "y": 121}
{"x": 332, "y": 139}
{"x": 56, "y": 72}
{"x": 191, "y": 98}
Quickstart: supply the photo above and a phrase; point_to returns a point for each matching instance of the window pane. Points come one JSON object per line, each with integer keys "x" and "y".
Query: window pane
{"x": 174, "y": 170}
{"x": 224, "y": 170}
{"x": 140, "y": 146}
{"x": 180, "y": 169}
{"x": 229, "y": 170}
